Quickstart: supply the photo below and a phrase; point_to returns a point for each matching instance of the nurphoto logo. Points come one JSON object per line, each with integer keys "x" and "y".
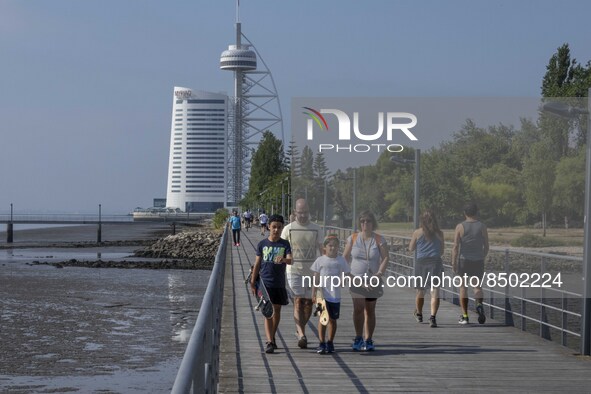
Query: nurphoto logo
{"x": 394, "y": 122}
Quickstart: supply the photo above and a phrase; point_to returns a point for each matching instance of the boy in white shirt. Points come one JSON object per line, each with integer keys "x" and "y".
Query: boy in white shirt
{"x": 326, "y": 266}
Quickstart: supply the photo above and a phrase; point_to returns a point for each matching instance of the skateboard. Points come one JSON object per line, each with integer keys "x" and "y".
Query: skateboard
{"x": 263, "y": 301}
{"x": 320, "y": 309}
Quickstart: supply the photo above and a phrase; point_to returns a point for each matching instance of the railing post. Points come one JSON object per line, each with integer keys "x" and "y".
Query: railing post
{"x": 564, "y": 336}
{"x": 523, "y": 310}
{"x": 508, "y": 308}
{"x": 544, "y": 329}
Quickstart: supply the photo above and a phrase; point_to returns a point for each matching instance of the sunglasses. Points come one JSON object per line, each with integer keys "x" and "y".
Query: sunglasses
{"x": 362, "y": 221}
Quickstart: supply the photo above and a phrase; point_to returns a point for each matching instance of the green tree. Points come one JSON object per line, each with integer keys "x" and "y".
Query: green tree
{"x": 268, "y": 163}
{"x": 292, "y": 158}
{"x": 498, "y": 192}
{"x": 316, "y": 194}
{"x": 564, "y": 77}
{"x": 569, "y": 186}
{"x": 539, "y": 174}
{"x": 303, "y": 184}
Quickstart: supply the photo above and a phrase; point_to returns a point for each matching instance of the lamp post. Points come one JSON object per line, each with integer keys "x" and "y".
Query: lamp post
{"x": 354, "y": 213}
{"x": 324, "y": 206}
{"x": 566, "y": 111}
{"x": 354, "y": 200}
{"x": 417, "y": 164}
{"x": 263, "y": 197}
{"x": 283, "y": 195}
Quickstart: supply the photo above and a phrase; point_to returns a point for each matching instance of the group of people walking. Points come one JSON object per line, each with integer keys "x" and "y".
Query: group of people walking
{"x": 235, "y": 224}
{"x": 300, "y": 250}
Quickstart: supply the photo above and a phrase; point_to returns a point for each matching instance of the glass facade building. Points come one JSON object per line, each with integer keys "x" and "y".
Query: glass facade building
{"x": 197, "y": 165}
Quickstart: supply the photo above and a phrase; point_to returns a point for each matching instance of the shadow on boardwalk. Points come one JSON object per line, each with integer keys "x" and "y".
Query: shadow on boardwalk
{"x": 408, "y": 357}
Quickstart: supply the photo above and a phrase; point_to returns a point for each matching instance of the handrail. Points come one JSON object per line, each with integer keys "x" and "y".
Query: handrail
{"x": 199, "y": 370}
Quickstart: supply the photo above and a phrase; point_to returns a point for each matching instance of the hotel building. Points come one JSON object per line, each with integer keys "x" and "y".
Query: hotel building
{"x": 197, "y": 165}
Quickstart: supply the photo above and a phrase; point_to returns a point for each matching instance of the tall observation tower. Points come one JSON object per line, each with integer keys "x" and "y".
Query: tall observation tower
{"x": 254, "y": 109}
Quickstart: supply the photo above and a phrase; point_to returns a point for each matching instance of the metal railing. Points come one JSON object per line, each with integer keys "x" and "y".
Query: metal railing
{"x": 199, "y": 370}
{"x": 63, "y": 218}
{"x": 75, "y": 218}
{"x": 552, "y": 313}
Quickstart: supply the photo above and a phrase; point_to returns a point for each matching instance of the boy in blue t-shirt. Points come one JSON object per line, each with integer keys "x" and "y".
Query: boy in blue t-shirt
{"x": 325, "y": 267}
{"x": 273, "y": 253}
{"x": 234, "y": 222}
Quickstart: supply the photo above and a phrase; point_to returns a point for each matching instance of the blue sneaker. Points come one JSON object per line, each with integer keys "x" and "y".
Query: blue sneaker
{"x": 330, "y": 347}
{"x": 357, "y": 344}
{"x": 321, "y": 349}
{"x": 369, "y": 346}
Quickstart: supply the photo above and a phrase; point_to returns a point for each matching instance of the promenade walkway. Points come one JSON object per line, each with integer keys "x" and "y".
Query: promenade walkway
{"x": 409, "y": 357}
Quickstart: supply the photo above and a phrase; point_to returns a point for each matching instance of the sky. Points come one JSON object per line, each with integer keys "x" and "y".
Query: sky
{"x": 86, "y": 86}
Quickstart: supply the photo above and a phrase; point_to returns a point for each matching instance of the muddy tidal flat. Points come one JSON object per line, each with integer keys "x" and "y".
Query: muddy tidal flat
{"x": 76, "y": 329}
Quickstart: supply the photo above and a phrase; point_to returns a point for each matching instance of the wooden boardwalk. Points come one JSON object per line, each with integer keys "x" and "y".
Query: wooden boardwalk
{"x": 408, "y": 357}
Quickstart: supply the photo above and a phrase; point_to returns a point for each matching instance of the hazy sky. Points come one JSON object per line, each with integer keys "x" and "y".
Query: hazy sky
{"x": 86, "y": 85}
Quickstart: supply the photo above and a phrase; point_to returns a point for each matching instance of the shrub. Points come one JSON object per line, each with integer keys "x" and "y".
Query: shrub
{"x": 220, "y": 217}
{"x": 535, "y": 241}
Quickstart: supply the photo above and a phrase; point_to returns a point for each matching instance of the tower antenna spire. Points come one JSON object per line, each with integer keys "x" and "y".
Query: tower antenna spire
{"x": 237, "y": 11}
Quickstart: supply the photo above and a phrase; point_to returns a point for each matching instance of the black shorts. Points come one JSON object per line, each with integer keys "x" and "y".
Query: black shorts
{"x": 426, "y": 268}
{"x": 471, "y": 267}
{"x": 278, "y": 295}
{"x": 333, "y": 309}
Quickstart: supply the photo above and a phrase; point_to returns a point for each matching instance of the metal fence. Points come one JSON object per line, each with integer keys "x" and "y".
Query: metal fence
{"x": 63, "y": 218}
{"x": 199, "y": 370}
{"x": 553, "y": 313}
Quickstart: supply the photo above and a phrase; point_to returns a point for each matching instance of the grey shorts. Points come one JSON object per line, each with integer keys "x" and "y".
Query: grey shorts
{"x": 471, "y": 267}
{"x": 296, "y": 288}
{"x": 426, "y": 268}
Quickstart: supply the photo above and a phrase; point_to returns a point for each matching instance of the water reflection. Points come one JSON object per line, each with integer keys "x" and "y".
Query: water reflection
{"x": 177, "y": 299}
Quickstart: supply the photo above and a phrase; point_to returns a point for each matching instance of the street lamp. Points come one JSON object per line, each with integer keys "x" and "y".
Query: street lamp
{"x": 416, "y": 162}
{"x": 566, "y": 111}
{"x": 283, "y": 195}
{"x": 264, "y": 200}
{"x": 354, "y": 214}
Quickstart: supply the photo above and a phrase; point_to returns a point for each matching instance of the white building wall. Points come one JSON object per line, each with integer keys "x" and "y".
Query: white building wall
{"x": 197, "y": 163}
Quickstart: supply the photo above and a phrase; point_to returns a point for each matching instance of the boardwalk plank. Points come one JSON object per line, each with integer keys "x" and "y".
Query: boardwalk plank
{"x": 409, "y": 356}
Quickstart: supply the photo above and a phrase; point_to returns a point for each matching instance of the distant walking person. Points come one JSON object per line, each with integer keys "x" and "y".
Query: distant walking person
{"x": 468, "y": 255}
{"x": 263, "y": 219}
{"x": 247, "y": 219}
{"x": 234, "y": 222}
{"x": 428, "y": 241}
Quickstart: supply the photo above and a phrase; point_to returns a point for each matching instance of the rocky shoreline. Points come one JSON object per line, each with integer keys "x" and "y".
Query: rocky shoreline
{"x": 191, "y": 249}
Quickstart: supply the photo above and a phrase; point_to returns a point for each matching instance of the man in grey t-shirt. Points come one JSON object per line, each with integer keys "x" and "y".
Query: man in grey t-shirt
{"x": 467, "y": 258}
